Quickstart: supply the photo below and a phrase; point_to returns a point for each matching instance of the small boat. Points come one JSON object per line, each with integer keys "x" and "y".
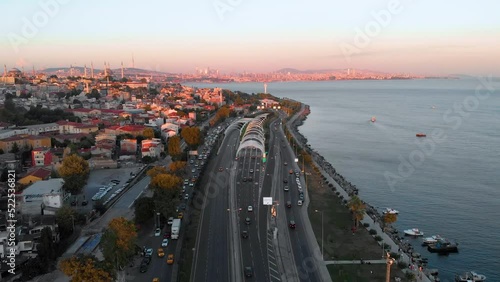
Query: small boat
{"x": 373, "y": 119}
{"x": 421, "y": 135}
{"x": 390, "y": 211}
{"x": 431, "y": 240}
{"x": 470, "y": 276}
{"x": 443, "y": 246}
{"x": 413, "y": 232}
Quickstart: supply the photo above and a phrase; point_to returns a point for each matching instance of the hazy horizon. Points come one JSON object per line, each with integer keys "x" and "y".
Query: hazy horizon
{"x": 414, "y": 37}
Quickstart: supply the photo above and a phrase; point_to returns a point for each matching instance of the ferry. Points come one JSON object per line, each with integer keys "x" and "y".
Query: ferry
{"x": 421, "y": 135}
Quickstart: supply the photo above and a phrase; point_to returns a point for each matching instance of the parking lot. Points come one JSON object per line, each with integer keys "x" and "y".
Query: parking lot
{"x": 100, "y": 178}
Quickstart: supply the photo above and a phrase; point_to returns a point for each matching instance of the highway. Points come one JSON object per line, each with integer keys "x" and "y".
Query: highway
{"x": 212, "y": 252}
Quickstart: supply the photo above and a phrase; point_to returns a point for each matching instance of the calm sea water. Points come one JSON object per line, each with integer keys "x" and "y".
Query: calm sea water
{"x": 447, "y": 183}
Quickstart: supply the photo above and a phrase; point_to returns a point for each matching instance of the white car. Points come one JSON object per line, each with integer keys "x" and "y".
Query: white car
{"x": 299, "y": 203}
{"x": 164, "y": 243}
{"x": 170, "y": 220}
{"x": 250, "y": 208}
{"x": 157, "y": 232}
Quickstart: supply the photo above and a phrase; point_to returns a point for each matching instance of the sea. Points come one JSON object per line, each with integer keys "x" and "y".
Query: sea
{"x": 447, "y": 183}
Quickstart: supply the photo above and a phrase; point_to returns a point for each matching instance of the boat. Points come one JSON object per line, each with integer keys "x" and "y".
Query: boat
{"x": 470, "y": 276}
{"x": 443, "y": 246}
{"x": 373, "y": 119}
{"x": 413, "y": 232}
{"x": 431, "y": 240}
{"x": 421, "y": 135}
{"x": 390, "y": 211}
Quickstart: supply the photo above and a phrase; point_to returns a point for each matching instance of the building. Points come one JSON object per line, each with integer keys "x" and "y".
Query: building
{"x": 35, "y": 175}
{"x": 69, "y": 127}
{"x": 41, "y": 156}
{"x": 24, "y": 140}
{"x": 128, "y": 147}
{"x": 134, "y": 130}
{"x": 43, "y": 197}
{"x": 152, "y": 148}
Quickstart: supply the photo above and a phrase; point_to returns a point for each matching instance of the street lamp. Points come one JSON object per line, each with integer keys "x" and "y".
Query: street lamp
{"x": 389, "y": 262}
{"x": 322, "y": 229}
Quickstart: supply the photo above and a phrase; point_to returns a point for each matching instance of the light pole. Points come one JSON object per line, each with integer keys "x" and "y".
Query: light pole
{"x": 389, "y": 262}
{"x": 322, "y": 229}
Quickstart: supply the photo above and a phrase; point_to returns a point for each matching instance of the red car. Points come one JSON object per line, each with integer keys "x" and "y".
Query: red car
{"x": 166, "y": 235}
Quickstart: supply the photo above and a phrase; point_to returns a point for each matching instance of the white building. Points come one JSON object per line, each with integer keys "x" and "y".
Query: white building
{"x": 43, "y": 197}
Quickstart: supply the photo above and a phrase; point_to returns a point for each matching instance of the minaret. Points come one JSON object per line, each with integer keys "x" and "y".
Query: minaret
{"x": 34, "y": 70}
{"x": 91, "y": 69}
{"x": 105, "y": 69}
{"x": 133, "y": 62}
{"x": 85, "y": 71}
{"x": 4, "y": 70}
{"x": 70, "y": 70}
{"x": 122, "y": 70}
{"x": 265, "y": 88}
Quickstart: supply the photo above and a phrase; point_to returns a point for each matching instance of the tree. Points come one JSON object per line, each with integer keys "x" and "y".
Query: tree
{"x": 75, "y": 171}
{"x": 177, "y": 167}
{"x": 118, "y": 241}
{"x": 65, "y": 218}
{"x": 84, "y": 269}
{"x": 1, "y": 151}
{"x": 94, "y": 94}
{"x": 148, "y": 159}
{"x": 174, "y": 146}
{"x": 389, "y": 218}
{"x": 156, "y": 170}
{"x": 144, "y": 209}
{"x": 357, "y": 208}
{"x": 165, "y": 182}
{"x": 148, "y": 133}
{"x": 46, "y": 248}
{"x": 191, "y": 135}
{"x": 15, "y": 148}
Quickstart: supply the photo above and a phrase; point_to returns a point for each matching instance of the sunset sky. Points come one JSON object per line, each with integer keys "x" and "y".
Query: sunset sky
{"x": 420, "y": 37}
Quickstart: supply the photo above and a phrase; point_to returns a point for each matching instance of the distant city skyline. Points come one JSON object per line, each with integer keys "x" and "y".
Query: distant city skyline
{"x": 393, "y": 36}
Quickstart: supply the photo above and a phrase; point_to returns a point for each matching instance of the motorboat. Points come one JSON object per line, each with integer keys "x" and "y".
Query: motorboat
{"x": 413, "y": 232}
{"x": 421, "y": 135}
{"x": 373, "y": 119}
{"x": 390, "y": 211}
{"x": 470, "y": 276}
{"x": 443, "y": 246}
{"x": 431, "y": 240}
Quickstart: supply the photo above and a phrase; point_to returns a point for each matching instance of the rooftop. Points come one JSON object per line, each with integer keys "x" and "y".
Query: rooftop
{"x": 45, "y": 187}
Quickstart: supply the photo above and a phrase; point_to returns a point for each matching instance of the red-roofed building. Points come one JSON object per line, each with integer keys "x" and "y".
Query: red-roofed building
{"x": 35, "y": 175}
{"x": 133, "y": 129}
{"x": 41, "y": 156}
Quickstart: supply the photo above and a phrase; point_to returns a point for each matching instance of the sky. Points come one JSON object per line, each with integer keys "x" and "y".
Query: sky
{"x": 397, "y": 36}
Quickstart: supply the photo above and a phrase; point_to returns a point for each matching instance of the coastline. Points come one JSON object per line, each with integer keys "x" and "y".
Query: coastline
{"x": 347, "y": 189}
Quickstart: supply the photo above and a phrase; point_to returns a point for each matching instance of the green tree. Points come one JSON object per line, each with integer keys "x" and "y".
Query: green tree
{"x": 46, "y": 248}
{"x": 118, "y": 241}
{"x": 166, "y": 189}
{"x": 174, "y": 146}
{"x": 357, "y": 208}
{"x": 65, "y": 218}
{"x": 144, "y": 209}
{"x": 75, "y": 171}
{"x": 15, "y": 148}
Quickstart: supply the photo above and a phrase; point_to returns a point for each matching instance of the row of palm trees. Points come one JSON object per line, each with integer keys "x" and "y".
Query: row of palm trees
{"x": 358, "y": 209}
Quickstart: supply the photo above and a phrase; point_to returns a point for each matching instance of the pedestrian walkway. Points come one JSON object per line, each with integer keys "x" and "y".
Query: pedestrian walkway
{"x": 375, "y": 261}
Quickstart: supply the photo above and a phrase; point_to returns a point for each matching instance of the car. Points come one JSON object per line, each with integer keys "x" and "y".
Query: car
{"x": 180, "y": 215}
{"x": 290, "y": 171}
{"x": 193, "y": 170}
{"x": 186, "y": 196}
{"x": 285, "y": 188}
{"x": 285, "y": 180}
{"x": 170, "y": 220}
{"x": 74, "y": 203}
{"x": 299, "y": 203}
{"x": 164, "y": 243}
{"x": 248, "y": 271}
{"x": 248, "y": 221}
{"x": 161, "y": 253}
{"x": 244, "y": 179}
{"x": 288, "y": 204}
{"x": 221, "y": 169}
{"x": 148, "y": 252}
{"x": 167, "y": 234}
{"x": 285, "y": 163}
{"x": 186, "y": 181}
{"x": 170, "y": 259}
{"x": 157, "y": 232}
{"x": 156, "y": 279}
{"x": 84, "y": 202}
{"x": 182, "y": 206}
{"x": 251, "y": 170}
{"x": 250, "y": 208}
{"x": 291, "y": 224}
{"x": 244, "y": 234}
{"x": 301, "y": 196}
{"x": 146, "y": 260}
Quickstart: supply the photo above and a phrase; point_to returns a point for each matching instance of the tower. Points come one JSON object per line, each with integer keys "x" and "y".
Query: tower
{"x": 105, "y": 69}
{"x": 70, "y": 70}
{"x": 348, "y": 71}
{"x": 133, "y": 63}
{"x": 91, "y": 70}
{"x": 33, "y": 70}
{"x": 265, "y": 88}
{"x": 4, "y": 70}
{"x": 84, "y": 71}
{"x": 122, "y": 70}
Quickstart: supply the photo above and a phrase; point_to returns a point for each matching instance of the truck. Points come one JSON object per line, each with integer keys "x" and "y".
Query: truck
{"x": 176, "y": 227}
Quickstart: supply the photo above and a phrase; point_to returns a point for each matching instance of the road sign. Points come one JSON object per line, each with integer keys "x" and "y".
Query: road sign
{"x": 267, "y": 201}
